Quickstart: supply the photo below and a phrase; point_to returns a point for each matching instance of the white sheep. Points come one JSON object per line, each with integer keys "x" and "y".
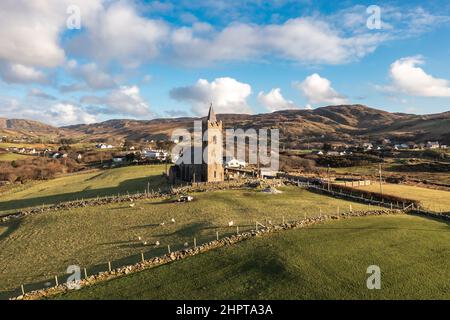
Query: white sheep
{"x": 173, "y": 220}
{"x": 132, "y": 205}
{"x": 139, "y": 238}
{"x": 162, "y": 223}
{"x": 186, "y": 244}
{"x": 231, "y": 223}
{"x": 157, "y": 243}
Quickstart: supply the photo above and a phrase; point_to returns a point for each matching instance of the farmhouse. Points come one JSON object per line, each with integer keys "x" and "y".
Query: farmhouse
{"x": 211, "y": 169}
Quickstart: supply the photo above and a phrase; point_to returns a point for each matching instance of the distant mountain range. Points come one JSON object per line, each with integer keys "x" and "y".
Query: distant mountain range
{"x": 344, "y": 123}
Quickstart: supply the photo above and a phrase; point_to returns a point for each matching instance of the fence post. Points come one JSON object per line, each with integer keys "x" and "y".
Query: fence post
{"x": 168, "y": 248}
{"x": 283, "y": 219}
{"x": 351, "y": 209}
{"x": 23, "y": 289}
{"x": 237, "y": 229}
{"x": 85, "y": 273}
{"x": 109, "y": 266}
{"x": 56, "y": 281}
{"x": 195, "y": 242}
{"x": 217, "y": 235}
{"x": 142, "y": 257}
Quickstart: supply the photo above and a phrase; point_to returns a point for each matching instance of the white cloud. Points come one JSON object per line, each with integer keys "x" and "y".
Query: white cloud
{"x": 319, "y": 90}
{"x": 407, "y": 77}
{"x": 66, "y": 113}
{"x": 321, "y": 43}
{"x": 119, "y": 33}
{"x": 227, "y": 95}
{"x": 57, "y": 114}
{"x": 92, "y": 75}
{"x": 18, "y": 73}
{"x": 125, "y": 100}
{"x": 274, "y": 100}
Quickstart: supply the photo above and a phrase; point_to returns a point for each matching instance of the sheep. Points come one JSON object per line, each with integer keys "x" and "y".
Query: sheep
{"x": 173, "y": 220}
{"x": 139, "y": 238}
{"x": 231, "y": 223}
{"x": 132, "y": 205}
{"x": 157, "y": 243}
{"x": 162, "y": 223}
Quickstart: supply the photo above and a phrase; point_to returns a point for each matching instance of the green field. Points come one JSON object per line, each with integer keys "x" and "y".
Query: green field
{"x": 40, "y": 246}
{"x": 12, "y": 156}
{"x": 84, "y": 185}
{"x": 327, "y": 261}
{"x": 435, "y": 200}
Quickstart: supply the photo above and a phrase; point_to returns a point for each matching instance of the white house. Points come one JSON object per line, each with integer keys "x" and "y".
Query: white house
{"x": 160, "y": 155}
{"x": 433, "y": 144}
{"x": 231, "y": 162}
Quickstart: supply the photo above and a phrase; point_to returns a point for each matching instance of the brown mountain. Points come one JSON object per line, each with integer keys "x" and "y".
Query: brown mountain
{"x": 28, "y": 128}
{"x": 343, "y": 123}
{"x": 334, "y": 123}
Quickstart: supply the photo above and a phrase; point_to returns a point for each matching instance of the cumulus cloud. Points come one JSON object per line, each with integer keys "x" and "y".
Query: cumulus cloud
{"x": 39, "y": 94}
{"x": 407, "y": 77}
{"x": 91, "y": 75}
{"x": 227, "y": 95}
{"x": 319, "y": 90}
{"x": 66, "y": 113}
{"x": 274, "y": 100}
{"x": 18, "y": 73}
{"x": 125, "y": 100}
{"x": 119, "y": 33}
{"x": 57, "y": 114}
{"x": 321, "y": 43}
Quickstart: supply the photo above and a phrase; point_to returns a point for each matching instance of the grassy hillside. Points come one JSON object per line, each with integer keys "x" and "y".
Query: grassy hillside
{"x": 327, "y": 261}
{"x": 435, "y": 200}
{"x": 85, "y": 185}
{"x": 50, "y": 242}
{"x": 12, "y": 156}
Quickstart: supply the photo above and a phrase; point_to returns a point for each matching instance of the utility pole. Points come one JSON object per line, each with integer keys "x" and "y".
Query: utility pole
{"x": 381, "y": 180}
{"x": 328, "y": 174}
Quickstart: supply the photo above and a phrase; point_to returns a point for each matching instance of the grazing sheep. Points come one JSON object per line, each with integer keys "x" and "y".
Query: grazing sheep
{"x": 145, "y": 243}
{"x": 186, "y": 244}
{"x": 139, "y": 238}
{"x": 173, "y": 220}
{"x": 162, "y": 223}
{"x": 132, "y": 205}
{"x": 231, "y": 223}
{"x": 157, "y": 243}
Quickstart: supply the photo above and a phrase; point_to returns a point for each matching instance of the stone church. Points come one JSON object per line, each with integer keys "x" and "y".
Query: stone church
{"x": 210, "y": 169}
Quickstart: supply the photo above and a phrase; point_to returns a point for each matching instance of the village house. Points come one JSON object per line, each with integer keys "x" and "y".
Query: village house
{"x": 432, "y": 145}
{"x": 232, "y": 162}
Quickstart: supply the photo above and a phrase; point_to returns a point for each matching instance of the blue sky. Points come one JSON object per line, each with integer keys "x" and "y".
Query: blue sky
{"x": 148, "y": 59}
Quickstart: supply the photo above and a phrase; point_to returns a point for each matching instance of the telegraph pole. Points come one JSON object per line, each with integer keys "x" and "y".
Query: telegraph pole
{"x": 381, "y": 180}
{"x": 328, "y": 174}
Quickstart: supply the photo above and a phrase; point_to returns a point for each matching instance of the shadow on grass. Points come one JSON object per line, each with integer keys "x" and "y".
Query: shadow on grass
{"x": 130, "y": 186}
{"x": 11, "y": 226}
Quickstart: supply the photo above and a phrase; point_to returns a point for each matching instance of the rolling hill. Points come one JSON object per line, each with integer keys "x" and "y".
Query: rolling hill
{"x": 343, "y": 123}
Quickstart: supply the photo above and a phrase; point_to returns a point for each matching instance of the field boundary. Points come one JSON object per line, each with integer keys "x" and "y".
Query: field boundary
{"x": 192, "y": 251}
{"x": 120, "y": 198}
{"x": 356, "y": 195}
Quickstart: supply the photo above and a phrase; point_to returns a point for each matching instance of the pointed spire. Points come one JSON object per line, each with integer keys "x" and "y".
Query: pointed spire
{"x": 211, "y": 114}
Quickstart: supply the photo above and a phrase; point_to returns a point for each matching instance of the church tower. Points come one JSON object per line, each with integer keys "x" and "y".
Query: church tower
{"x": 212, "y": 148}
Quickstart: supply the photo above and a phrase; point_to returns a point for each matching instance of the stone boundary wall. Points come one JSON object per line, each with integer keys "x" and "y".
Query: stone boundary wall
{"x": 99, "y": 201}
{"x": 185, "y": 253}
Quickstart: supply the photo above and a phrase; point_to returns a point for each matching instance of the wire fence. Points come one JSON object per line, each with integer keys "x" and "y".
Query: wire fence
{"x": 151, "y": 250}
{"x": 205, "y": 235}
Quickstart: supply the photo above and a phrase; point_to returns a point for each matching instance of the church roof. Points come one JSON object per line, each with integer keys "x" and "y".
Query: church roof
{"x": 211, "y": 114}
